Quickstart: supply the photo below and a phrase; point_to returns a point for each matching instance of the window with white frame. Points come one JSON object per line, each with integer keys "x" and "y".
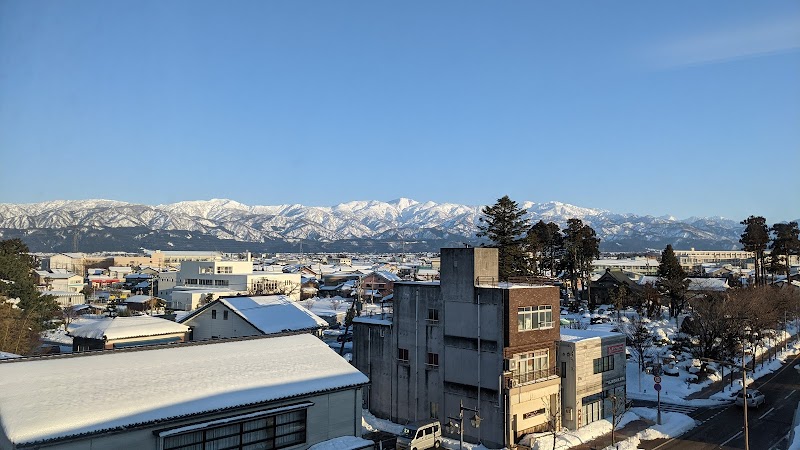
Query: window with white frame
{"x": 533, "y": 365}
{"x": 224, "y": 269}
{"x": 534, "y": 317}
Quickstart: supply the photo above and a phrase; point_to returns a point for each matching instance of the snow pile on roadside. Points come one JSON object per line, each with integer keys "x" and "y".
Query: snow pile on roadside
{"x": 673, "y": 424}
{"x": 371, "y": 423}
{"x": 342, "y": 443}
{"x": 568, "y": 439}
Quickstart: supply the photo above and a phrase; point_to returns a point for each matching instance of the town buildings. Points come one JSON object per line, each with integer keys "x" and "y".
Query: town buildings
{"x": 467, "y": 340}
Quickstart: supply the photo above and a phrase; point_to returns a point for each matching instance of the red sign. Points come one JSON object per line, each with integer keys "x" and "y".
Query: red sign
{"x": 614, "y": 349}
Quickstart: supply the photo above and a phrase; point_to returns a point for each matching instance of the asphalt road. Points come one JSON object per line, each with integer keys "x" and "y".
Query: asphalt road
{"x": 722, "y": 427}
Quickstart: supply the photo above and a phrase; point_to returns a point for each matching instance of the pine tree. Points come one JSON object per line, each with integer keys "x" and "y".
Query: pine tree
{"x": 33, "y": 312}
{"x": 786, "y": 242}
{"x": 581, "y": 248}
{"x": 549, "y": 243}
{"x": 504, "y": 225}
{"x": 755, "y": 239}
{"x": 672, "y": 280}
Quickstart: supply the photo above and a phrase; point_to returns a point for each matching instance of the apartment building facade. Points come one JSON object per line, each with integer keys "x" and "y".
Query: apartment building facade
{"x": 466, "y": 340}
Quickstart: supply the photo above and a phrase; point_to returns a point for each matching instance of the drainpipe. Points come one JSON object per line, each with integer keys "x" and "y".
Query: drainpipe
{"x": 479, "y": 361}
{"x": 416, "y": 353}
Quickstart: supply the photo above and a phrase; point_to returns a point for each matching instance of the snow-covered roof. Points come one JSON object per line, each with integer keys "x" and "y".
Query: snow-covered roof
{"x": 389, "y": 276}
{"x": 372, "y": 321}
{"x": 569, "y": 335}
{"x": 56, "y": 275}
{"x": 708, "y": 284}
{"x": 6, "y": 355}
{"x": 215, "y": 376}
{"x": 128, "y": 327}
{"x": 140, "y": 298}
{"x": 274, "y": 313}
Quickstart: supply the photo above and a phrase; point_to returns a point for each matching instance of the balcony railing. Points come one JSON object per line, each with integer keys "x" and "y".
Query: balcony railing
{"x": 525, "y": 281}
{"x": 536, "y": 376}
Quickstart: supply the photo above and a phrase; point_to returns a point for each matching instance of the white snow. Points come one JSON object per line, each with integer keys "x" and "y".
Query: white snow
{"x": 274, "y": 313}
{"x": 343, "y": 443}
{"x": 127, "y": 327}
{"x": 35, "y": 403}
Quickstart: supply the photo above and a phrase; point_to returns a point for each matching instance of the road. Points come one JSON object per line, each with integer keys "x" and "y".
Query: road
{"x": 722, "y": 427}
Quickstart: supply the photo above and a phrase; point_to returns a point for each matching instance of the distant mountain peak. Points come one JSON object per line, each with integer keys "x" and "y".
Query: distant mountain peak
{"x": 404, "y": 220}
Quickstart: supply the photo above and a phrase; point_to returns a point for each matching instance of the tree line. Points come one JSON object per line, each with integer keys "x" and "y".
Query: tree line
{"x": 541, "y": 249}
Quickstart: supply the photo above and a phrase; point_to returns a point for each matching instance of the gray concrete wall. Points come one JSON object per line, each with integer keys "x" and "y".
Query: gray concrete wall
{"x": 375, "y": 355}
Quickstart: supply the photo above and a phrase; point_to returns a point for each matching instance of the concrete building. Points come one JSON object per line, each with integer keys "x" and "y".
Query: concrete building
{"x": 465, "y": 339}
{"x": 287, "y": 392}
{"x": 58, "y": 280}
{"x": 641, "y": 265}
{"x": 238, "y": 276}
{"x": 176, "y": 258}
{"x": 592, "y": 366}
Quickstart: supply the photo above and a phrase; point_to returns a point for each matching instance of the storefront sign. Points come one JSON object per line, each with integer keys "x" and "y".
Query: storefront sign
{"x": 614, "y": 349}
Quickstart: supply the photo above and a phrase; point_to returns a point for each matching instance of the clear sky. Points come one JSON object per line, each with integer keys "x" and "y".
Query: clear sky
{"x": 675, "y": 107}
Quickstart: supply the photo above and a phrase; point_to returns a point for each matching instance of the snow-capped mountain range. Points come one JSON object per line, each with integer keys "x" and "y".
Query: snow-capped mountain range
{"x": 91, "y": 225}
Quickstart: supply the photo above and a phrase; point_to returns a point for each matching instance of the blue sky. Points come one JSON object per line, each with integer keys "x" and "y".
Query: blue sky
{"x": 684, "y": 108}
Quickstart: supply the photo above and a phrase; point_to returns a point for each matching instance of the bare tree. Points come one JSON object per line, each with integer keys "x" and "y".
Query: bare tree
{"x": 336, "y": 303}
{"x": 68, "y": 315}
{"x": 619, "y": 406}
{"x": 639, "y": 339}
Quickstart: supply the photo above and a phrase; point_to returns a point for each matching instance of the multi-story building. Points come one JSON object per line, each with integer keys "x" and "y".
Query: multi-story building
{"x": 589, "y": 392}
{"x": 466, "y": 340}
{"x": 237, "y": 276}
{"x": 641, "y": 265}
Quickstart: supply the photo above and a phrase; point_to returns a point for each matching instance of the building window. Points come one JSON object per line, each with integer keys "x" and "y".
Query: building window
{"x": 225, "y": 315}
{"x": 402, "y": 354}
{"x": 225, "y": 269}
{"x": 191, "y": 281}
{"x": 433, "y": 360}
{"x": 433, "y": 315}
{"x": 220, "y": 282}
{"x": 205, "y": 282}
{"x": 604, "y": 364}
{"x": 563, "y": 369}
{"x": 271, "y": 432}
{"x": 434, "y": 410}
{"x": 534, "y": 317}
{"x": 533, "y": 365}
{"x": 213, "y": 313}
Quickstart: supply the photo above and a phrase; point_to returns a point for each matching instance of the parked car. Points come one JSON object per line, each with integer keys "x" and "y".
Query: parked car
{"x": 420, "y": 436}
{"x": 754, "y": 398}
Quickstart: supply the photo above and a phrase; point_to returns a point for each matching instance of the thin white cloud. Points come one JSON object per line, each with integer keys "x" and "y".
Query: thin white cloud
{"x": 754, "y": 40}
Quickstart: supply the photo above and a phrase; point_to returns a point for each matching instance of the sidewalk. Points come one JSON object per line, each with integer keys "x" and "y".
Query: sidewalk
{"x": 720, "y": 385}
{"x": 623, "y": 433}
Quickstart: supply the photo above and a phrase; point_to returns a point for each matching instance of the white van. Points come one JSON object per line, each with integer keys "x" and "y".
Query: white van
{"x": 420, "y": 436}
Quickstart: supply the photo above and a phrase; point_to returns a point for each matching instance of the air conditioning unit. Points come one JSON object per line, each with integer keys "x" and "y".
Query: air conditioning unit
{"x": 511, "y": 382}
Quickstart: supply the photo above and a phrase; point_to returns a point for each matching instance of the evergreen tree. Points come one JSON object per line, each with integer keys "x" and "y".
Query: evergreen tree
{"x": 33, "y": 312}
{"x": 504, "y": 224}
{"x": 581, "y": 248}
{"x": 549, "y": 245}
{"x": 755, "y": 239}
{"x": 786, "y": 242}
{"x": 672, "y": 280}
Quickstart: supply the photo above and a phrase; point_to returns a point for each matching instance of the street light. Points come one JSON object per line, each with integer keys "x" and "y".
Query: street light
{"x": 452, "y": 426}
